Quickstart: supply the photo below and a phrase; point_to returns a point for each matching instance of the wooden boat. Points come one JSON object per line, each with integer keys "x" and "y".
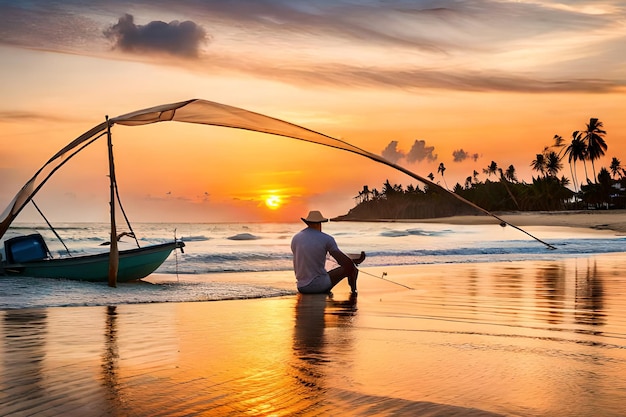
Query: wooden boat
{"x": 29, "y": 256}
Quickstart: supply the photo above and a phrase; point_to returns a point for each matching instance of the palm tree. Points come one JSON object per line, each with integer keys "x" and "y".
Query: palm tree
{"x": 539, "y": 164}
{"x": 506, "y": 186}
{"x": 553, "y": 164}
{"x": 594, "y": 138}
{"x": 367, "y": 194}
{"x": 559, "y": 143}
{"x": 616, "y": 167}
{"x": 359, "y": 198}
{"x": 492, "y": 168}
{"x": 441, "y": 170}
{"x": 387, "y": 190}
{"x": 509, "y": 174}
{"x": 577, "y": 151}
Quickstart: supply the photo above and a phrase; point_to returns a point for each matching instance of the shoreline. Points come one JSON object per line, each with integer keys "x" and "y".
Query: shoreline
{"x": 614, "y": 220}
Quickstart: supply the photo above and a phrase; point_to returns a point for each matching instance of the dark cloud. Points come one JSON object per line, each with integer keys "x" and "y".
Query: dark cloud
{"x": 419, "y": 151}
{"x": 175, "y": 38}
{"x": 392, "y": 153}
{"x": 460, "y": 155}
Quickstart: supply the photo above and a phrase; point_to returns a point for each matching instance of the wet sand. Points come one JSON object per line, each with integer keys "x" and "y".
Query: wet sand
{"x": 516, "y": 339}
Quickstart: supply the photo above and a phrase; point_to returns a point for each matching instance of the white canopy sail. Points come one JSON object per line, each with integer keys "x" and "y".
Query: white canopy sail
{"x": 208, "y": 113}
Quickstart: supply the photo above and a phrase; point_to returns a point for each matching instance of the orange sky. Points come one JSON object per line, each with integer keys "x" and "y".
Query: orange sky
{"x": 497, "y": 79}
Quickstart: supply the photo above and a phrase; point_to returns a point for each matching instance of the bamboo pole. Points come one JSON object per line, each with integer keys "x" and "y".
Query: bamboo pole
{"x": 113, "y": 251}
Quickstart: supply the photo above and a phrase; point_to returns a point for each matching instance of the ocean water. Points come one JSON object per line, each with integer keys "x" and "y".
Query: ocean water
{"x": 477, "y": 333}
{"x": 264, "y": 247}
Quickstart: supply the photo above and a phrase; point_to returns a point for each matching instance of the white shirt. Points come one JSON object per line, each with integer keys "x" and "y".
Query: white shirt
{"x": 309, "y": 248}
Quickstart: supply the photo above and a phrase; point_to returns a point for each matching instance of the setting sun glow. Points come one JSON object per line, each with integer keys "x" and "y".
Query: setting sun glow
{"x": 484, "y": 90}
{"x": 273, "y": 202}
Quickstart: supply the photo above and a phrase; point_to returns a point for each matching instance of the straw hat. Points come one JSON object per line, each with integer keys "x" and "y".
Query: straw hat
{"x": 314, "y": 217}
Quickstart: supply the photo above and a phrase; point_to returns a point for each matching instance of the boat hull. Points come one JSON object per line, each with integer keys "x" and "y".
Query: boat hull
{"x": 134, "y": 264}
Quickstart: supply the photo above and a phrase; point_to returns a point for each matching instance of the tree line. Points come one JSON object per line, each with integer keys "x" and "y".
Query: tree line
{"x": 502, "y": 191}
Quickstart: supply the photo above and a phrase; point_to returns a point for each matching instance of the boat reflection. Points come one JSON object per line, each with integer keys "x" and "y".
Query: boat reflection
{"x": 110, "y": 357}
{"x": 23, "y": 358}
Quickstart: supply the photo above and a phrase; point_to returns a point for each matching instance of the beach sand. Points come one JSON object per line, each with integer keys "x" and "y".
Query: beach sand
{"x": 530, "y": 338}
{"x": 595, "y": 219}
{"x": 519, "y": 338}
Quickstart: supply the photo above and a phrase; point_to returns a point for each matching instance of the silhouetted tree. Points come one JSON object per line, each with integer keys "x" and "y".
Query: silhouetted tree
{"x": 576, "y": 151}
{"x": 509, "y": 174}
{"x": 616, "y": 168}
{"x": 366, "y": 193}
{"x": 441, "y": 170}
{"x": 553, "y": 164}
{"x": 594, "y": 138}
{"x": 599, "y": 192}
{"x": 559, "y": 142}
{"x": 491, "y": 169}
{"x": 539, "y": 164}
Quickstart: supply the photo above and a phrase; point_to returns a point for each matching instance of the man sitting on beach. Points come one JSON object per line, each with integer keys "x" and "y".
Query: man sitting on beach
{"x": 309, "y": 248}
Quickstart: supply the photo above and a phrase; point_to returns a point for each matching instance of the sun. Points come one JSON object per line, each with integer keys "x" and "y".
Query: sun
{"x": 273, "y": 202}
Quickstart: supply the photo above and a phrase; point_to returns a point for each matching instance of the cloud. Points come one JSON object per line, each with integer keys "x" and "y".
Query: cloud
{"x": 341, "y": 74}
{"x": 419, "y": 151}
{"x": 460, "y": 155}
{"x": 182, "y": 39}
{"x": 483, "y": 45}
{"x": 21, "y": 116}
{"x": 392, "y": 153}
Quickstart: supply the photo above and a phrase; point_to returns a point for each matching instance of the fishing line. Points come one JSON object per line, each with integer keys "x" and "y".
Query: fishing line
{"x": 384, "y": 274}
